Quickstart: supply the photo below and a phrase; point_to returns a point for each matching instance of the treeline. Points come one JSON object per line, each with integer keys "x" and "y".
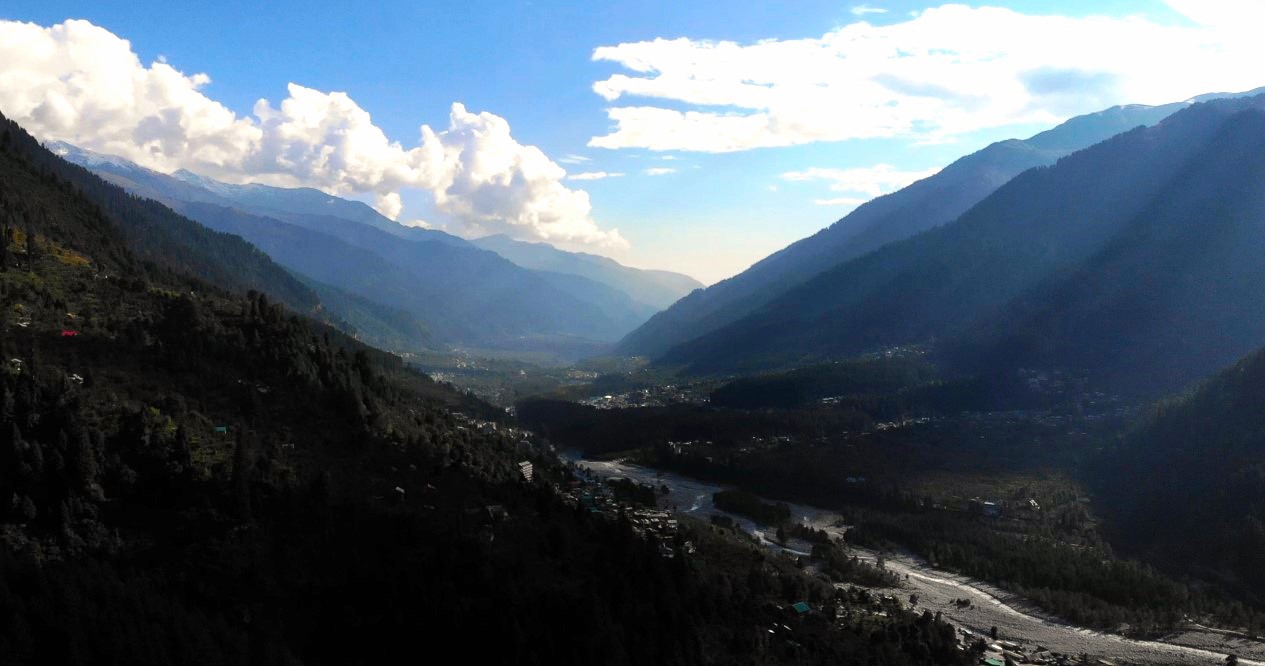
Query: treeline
{"x": 804, "y": 386}
{"x": 627, "y": 490}
{"x": 745, "y": 504}
{"x": 596, "y": 431}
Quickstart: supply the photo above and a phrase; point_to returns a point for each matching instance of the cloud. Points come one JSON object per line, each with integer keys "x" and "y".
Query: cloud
{"x": 658, "y": 171}
{"x": 572, "y": 158}
{"x": 496, "y": 185}
{"x": 941, "y": 73}
{"x": 862, "y": 10}
{"x": 840, "y": 201}
{"x": 389, "y": 204}
{"x": 868, "y": 181}
{"x": 80, "y": 83}
{"x": 593, "y": 175}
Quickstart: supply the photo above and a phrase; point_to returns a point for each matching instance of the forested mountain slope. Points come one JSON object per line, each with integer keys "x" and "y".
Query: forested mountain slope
{"x": 1103, "y": 218}
{"x": 156, "y": 234}
{"x": 1187, "y": 486}
{"x": 1176, "y": 294}
{"x": 926, "y": 204}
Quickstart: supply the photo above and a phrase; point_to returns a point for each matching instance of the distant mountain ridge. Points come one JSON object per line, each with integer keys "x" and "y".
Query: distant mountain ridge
{"x": 1137, "y": 258}
{"x": 454, "y": 290}
{"x": 285, "y": 202}
{"x": 653, "y": 288}
{"x": 923, "y": 205}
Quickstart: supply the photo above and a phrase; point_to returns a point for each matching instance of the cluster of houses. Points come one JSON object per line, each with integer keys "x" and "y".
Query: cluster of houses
{"x": 656, "y": 396}
{"x": 654, "y": 524}
{"x": 754, "y": 443}
{"x": 525, "y": 443}
{"x": 906, "y": 423}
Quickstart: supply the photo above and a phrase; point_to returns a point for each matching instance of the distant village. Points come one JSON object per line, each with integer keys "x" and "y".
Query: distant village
{"x": 657, "y": 396}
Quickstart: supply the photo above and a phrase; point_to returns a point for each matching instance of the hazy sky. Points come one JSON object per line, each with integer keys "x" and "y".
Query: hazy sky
{"x": 694, "y": 136}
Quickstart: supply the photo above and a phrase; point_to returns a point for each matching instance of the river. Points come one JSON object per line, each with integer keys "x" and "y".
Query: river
{"x": 937, "y": 590}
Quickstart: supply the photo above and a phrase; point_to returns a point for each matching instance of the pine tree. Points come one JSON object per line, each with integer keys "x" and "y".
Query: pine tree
{"x": 6, "y": 237}
{"x": 242, "y": 462}
{"x": 32, "y": 249}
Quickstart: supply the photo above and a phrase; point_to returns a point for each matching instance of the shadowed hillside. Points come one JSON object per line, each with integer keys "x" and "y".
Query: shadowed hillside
{"x": 1115, "y": 242}
{"x": 923, "y": 205}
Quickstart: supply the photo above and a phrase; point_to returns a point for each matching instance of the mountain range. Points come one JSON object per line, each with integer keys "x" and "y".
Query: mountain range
{"x": 652, "y": 289}
{"x": 429, "y": 287}
{"x": 1137, "y": 258}
{"x": 923, "y": 205}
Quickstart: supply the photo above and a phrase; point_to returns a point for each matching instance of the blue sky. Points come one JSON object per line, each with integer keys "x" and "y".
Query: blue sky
{"x": 531, "y": 64}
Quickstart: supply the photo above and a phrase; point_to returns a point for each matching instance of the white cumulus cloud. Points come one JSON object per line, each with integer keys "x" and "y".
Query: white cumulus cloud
{"x": 942, "y": 72}
{"x": 658, "y": 171}
{"x": 80, "y": 83}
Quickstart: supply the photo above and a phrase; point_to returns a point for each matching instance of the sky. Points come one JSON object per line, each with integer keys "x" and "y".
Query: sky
{"x": 691, "y": 136}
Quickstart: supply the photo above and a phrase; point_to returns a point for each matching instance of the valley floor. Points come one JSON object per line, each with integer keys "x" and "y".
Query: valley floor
{"x": 1015, "y": 618}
